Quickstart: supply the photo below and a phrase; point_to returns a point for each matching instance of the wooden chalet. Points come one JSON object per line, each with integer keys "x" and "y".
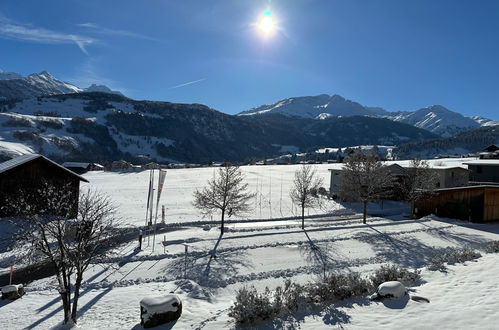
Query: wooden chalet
{"x": 29, "y": 173}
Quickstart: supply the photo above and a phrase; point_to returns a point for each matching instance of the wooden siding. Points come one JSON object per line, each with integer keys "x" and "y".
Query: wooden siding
{"x": 468, "y": 203}
{"x": 491, "y": 211}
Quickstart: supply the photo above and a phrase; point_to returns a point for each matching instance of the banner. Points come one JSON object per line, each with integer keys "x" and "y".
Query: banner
{"x": 161, "y": 181}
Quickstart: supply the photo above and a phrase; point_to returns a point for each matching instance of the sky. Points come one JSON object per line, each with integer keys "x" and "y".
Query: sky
{"x": 395, "y": 54}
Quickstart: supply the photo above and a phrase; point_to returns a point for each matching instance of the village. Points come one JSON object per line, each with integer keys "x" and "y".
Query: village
{"x": 182, "y": 251}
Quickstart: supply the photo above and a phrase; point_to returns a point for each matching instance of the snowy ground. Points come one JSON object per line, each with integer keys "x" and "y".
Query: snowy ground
{"x": 264, "y": 254}
{"x": 271, "y": 185}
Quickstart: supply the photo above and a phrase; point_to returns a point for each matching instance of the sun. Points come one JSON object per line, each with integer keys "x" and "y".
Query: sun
{"x": 266, "y": 24}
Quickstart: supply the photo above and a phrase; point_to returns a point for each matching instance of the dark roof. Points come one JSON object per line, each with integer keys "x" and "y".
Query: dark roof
{"x": 14, "y": 162}
{"x": 491, "y": 148}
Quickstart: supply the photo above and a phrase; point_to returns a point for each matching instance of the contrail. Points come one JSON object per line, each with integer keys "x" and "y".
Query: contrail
{"x": 188, "y": 83}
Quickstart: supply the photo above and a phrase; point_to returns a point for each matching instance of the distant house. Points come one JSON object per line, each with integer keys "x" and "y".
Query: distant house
{"x": 336, "y": 178}
{"x": 473, "y": 203}
{"x": 28, "y": 173}
{"x": 448, "y": 177}
{"x": 81, "y": 168}
{"x": 483, "y": 171}
{"x": 491, "y": 152}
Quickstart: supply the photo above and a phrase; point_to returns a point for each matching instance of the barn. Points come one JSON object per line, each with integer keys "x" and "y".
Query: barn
{"x": 29, "y": 173}
{"x": 473, "y": 203}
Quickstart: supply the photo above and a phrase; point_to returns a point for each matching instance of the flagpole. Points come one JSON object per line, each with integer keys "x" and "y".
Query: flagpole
{"x": 148, "y": 198}
{"x": 150, "y": 209}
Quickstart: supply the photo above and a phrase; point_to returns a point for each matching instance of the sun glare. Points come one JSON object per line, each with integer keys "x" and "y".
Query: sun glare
{"x": 266, "y": 24}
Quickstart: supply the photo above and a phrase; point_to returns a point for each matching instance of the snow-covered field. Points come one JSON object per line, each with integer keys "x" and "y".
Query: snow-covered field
{"x": 264, "y": 254}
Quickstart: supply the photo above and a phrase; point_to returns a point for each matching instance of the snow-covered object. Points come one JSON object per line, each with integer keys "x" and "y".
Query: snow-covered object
{"x": 12, "y": 292}
{"x": 11, "y": 288}
{"x": 159, "y": 310}
{"x": 391, "y": 289}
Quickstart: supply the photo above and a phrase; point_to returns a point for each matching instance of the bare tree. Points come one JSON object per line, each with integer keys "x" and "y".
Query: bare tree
{"x": 226, "y": 193}
{"x": 67, "y": 241}
{"x": 364, "y": 179}
{"x": 304, "y": 190}
{"x": 420, "y": 180}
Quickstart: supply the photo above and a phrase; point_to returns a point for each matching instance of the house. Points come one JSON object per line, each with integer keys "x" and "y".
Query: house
{"x": 491, "y": 152}
{"x": 483, "y": 171}
{"x": 451, "y": 176}
{"x": 448, "y": 176}
{"x": 472, "y": 203}
{"x": 29, "y": 173}
{"x": 395, "y": 170}
{"x": 81, "y": 168}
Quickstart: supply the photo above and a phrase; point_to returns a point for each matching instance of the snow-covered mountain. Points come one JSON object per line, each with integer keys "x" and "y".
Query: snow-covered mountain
{"x": 102, "y": 127}
{"x": 320, "y": 106}
{"x": 436, "y": 119}
{"x": 15, "y": 86}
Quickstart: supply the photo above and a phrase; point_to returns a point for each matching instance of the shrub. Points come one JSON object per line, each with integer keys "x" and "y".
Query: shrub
{"x": 491, "y": 247}
{"x": 251, "y": 306}
{"x": 452, "y": 256}
{"x": 395, "y": 273}
{"x": 335, "y": 287}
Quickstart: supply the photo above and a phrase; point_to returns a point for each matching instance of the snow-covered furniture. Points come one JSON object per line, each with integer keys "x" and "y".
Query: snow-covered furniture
{"x": 159, "y": 310}
{"x": 12, "y": 292}
{"x": 391, "y": 289}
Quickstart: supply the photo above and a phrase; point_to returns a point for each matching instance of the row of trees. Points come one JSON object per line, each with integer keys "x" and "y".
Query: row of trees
{"x": 364, "y": 179}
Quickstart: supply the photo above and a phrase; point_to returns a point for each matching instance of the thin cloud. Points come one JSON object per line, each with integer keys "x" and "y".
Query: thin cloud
{"x": 95, "y": 28}
{"x": 188, "y": 83}
{"x": 13, "y": 30}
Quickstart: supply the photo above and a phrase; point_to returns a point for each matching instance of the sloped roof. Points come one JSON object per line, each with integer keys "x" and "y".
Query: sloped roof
{"x": 15, "y": 162}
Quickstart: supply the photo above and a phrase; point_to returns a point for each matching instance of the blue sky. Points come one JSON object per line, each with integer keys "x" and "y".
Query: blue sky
{"x": 396, "y": 54}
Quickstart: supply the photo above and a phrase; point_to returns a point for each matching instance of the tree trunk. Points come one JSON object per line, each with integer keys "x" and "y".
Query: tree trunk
{"x": 222, "y": 227}
{"x": 76, "y": 296}
{"x": 413, "y": 216}
{"x": 365, "y": 213}
{"x": 302, "y": 217}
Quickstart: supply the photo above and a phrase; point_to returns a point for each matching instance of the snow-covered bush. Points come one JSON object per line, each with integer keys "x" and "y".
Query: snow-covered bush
{"x": 251, "y": 306}
{"x": 395, "y": 273}
{"x": 452, "y": 256}
{"x": 491, "y": 247}
{"x": 336, "y": 287}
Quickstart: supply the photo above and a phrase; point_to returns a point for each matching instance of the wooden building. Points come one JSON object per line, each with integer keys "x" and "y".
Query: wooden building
{"x": 472, "y": 203}
{"x": 29, "y": 173}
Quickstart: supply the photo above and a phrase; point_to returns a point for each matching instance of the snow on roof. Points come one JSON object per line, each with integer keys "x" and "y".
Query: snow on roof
{"x": 12, "y": 163}
{"x": 486, "y": 162}
{"x": 437, "y": 164}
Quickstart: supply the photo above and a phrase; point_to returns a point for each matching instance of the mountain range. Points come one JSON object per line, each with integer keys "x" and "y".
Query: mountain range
{"x": 42, "y": 114}
{"x": 435, "y": 118}
{"x": 15, "y": 86}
